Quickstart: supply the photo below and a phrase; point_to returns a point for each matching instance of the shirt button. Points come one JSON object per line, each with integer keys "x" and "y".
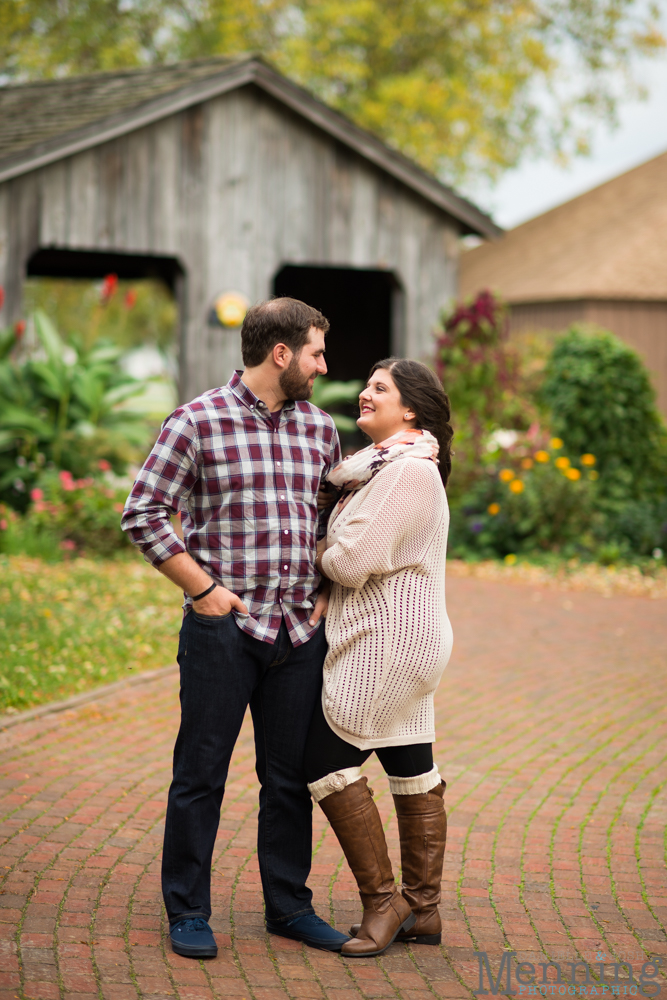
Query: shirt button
{"x": 282, "y": 496}
{"x": 285, "y": 567}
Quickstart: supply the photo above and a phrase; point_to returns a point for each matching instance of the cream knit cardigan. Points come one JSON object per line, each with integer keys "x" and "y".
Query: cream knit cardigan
{"x": 387, "y": 626}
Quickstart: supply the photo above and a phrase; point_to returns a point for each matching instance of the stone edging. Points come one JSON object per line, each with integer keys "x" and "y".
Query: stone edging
{"x": 7, "y": 721}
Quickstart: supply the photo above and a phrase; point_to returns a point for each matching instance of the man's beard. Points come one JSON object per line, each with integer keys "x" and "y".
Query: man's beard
{"x": 294, "y": 383}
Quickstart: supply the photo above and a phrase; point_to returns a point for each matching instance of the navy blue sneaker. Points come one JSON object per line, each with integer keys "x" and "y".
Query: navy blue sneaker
{"x": 310, "y": 929}
{"x": 193, "y": 938}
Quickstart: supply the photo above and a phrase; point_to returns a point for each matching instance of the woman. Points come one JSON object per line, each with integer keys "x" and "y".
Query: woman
{"x": 389, "y": 641}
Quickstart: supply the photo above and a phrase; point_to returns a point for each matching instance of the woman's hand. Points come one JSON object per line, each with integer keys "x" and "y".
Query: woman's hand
{"x": 325, "y": 498}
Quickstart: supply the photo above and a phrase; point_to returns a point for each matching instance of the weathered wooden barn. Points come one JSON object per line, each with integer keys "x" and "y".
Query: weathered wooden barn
{"x": 600, "y": 258}
{"x": 221, "y": 175}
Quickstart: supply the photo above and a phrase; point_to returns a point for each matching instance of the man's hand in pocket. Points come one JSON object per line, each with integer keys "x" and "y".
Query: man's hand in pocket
{"x": 220, "y": 602}
{"x": 321, "y": 604}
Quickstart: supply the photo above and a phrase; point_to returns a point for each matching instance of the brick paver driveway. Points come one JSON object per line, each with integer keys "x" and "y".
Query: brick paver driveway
{"x": 552, "y": 719}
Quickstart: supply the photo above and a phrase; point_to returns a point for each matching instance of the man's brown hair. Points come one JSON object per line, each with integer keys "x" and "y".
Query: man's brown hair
{"x": 277, "y": 321}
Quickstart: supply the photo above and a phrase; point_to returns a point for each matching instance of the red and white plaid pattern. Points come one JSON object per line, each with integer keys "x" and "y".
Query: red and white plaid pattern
{"x": 247, "y": 493}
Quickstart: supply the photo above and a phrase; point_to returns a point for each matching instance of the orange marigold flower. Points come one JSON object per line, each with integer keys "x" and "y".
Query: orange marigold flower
{"x": 510, "y": 559}
{"x": 506, "y": 475}
{"x": 541, "y": 456}
{"x": 516, "y": 486}
{"x": 573, "y": 474}
{"x": 493, "y": 509}
{"x": 588, "y": 459}
{"x": 562, "y": 462}
{"x": 526, "y": 463}
{"x": 556, "y": 443}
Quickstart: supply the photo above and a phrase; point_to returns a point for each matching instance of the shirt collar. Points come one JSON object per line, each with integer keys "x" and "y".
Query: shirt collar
{"x": 248, "y": 397}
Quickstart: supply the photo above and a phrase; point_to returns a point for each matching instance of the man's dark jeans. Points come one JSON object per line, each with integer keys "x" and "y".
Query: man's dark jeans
{"x": 223, "y": 670}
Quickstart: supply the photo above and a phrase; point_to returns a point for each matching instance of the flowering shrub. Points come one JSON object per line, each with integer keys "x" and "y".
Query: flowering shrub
{"x": 483, "y": 377}
{"x": 538, "y": 500}
{"x": 595, "y": 485}
{"x": 80, "y": 515}
{"x": 62, "y": 406}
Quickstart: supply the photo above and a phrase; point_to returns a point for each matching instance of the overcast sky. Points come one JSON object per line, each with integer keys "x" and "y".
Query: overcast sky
{"x": 535, "y": 187}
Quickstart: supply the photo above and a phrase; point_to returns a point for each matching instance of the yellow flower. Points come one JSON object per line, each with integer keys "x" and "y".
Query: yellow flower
{"x": 510, "y": 559}
{"x": 573, "y": 474}
{"x": 593, "y": 474}
{"x": 588, "y": 459}
{"x": 516, "y": 486}
{"x": 562, "y": 462}
{"x": 506, "y": 475}
{"x": 526, "y": 463}
{"x": 541, "y": 456}
{"x": 556, "y": 443}
{"x": 493, "y": 509}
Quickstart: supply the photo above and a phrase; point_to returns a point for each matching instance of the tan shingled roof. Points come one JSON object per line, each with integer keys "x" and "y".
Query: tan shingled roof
{"x": 608, "y": 243}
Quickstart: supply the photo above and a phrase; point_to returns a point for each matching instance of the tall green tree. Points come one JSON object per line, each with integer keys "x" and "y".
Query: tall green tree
{"x": 466, "y": 87}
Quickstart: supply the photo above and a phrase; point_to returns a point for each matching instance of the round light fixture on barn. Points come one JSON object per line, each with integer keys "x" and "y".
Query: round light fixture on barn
{"x": 229, "y": 310}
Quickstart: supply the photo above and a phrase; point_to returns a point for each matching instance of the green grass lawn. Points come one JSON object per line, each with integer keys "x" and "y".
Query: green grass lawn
{"x": 68, "y": 627}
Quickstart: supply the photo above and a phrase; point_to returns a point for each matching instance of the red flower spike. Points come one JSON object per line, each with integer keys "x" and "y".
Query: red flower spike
{"x": 130, "y": 298}
{"x": 19, "y": 328}
{"x": 109, "y": 286}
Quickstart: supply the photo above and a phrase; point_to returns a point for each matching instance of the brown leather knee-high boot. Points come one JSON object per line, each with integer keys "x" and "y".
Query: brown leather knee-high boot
{"x": 356, "y": 822}
{"x": 422, "y": 827}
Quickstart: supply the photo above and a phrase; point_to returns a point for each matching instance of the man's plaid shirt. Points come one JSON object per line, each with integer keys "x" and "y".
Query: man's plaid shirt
{"x": 247, "y": 492}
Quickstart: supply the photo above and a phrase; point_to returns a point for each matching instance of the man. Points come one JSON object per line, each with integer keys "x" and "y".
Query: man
{"x": 243, "y": 465}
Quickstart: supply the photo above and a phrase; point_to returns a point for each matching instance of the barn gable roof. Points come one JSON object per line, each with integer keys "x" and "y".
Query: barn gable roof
{"x": 609, "y": 243}
{"x": 48, "y": 120}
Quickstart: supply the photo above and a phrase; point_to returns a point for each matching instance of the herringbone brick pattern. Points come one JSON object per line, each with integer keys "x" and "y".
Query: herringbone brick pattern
{"x": 552, "y": 721}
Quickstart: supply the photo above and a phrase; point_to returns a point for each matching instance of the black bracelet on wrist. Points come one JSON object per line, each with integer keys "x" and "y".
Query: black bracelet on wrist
{"x": 204, "y": 593}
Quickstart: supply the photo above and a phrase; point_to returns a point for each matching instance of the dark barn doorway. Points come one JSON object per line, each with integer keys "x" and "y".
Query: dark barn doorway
{"x": 359, "y": 304}
{"x": 54, "y": 262}
{"x": 62, "y": 283}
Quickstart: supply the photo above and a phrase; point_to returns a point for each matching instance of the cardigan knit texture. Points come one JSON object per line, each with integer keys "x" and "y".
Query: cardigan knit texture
{"x": 389, "y": 635}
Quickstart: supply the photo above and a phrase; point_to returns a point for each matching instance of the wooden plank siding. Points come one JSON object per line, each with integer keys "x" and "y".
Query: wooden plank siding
{"x": 642, "y": 325}
{"x": 234, "y": 188}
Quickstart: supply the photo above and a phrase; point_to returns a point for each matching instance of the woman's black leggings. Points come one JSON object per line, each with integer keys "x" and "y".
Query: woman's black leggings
{"x": 326, "y": 753}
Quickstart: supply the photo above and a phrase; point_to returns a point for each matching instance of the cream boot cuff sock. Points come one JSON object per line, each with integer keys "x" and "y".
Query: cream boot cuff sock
{"x": 334, "y": 782}
{"x": 415, "y": 786}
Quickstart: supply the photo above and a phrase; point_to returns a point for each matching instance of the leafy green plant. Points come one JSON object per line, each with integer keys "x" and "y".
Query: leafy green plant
{"x": 338, "y": 398}
{"x": 62, "y": 406}
{"x": 600, "y": 399}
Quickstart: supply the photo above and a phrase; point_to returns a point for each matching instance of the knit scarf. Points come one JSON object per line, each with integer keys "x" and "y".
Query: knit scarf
{"x": 358, "y": 469}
